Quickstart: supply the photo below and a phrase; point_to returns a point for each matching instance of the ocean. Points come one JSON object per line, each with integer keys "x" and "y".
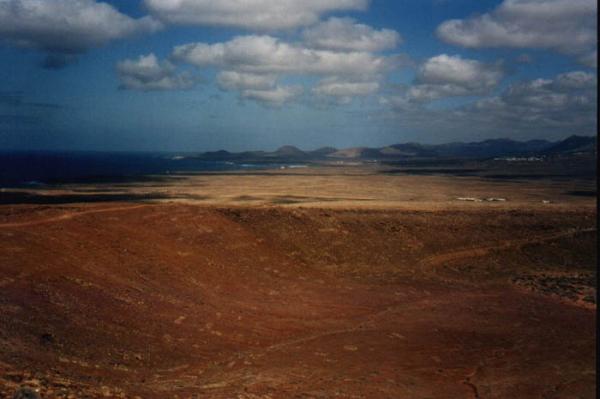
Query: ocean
{"x": 39, "y": 168}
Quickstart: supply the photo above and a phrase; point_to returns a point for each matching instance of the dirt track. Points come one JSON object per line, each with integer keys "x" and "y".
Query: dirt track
{"x": 483, "y": 250}
{"x": 67, "y": 216}
{"x": 163, "y": 300}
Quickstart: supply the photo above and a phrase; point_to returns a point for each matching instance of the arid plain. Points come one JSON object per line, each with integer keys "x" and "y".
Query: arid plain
{"x": 318, "y": 282}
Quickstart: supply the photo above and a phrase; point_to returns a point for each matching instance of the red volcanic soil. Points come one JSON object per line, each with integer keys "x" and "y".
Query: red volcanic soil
{"x": 165, "y": 301}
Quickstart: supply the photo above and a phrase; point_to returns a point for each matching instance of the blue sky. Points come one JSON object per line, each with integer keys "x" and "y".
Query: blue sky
{"x": 196, "y": 75}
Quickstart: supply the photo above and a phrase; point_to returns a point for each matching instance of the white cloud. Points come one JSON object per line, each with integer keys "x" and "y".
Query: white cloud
{"x": 450, "y": 76}
{"x": 252, "y": 64}
{"x": 545, "y": 96}
{"x": 66, "y": 26}
{"x": 566, "y": 104}
{"x": 577, "y": 80}
{"x": 232, "y": 80}
{"x": 248, "y": 14}
{"x": 345, "y": 34}
{"x": 276, "y": 96}
{"x": 266, "y": 54}
{"x": 563, "y": 105}
{"x": 148, "y": 74}
{"x": 337, "y": 88}
{"x": 568, "y": 26}
{"x": 258, "y": 87}
{"x": 344, "y": 91}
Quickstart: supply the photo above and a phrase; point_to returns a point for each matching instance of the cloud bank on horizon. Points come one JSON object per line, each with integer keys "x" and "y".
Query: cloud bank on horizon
{"x": 332, "y": 56}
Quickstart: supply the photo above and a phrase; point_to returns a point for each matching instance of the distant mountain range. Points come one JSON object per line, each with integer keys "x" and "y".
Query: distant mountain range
{"x": 572, "y": 146}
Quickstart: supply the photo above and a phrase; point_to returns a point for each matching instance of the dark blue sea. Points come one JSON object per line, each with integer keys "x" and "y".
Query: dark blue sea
{"x": 48, "y": 168}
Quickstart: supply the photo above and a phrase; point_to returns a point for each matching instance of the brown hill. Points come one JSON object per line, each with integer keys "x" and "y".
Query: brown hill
{"x": 155, "y": 301}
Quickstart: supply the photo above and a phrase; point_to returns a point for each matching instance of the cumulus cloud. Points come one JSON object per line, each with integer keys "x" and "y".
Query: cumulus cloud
{"x": 262, "y": 88}
{"x": 68, "y": 27}
{"x": 345, "y": 34}
{"x": 451, "y": 76}
{"x": 565, "y": 104}
{"x": 571, "y": 91}
{"x": 567, "y": 26}
{"x": 266, "y": 54}
{"x": 344, "y": 91}
{"x": 252, "y": 64}
{"x": 147, "y": 73}
{"x": 249, "y": 14}
{"x": 232, "y": 80}
{"x": 275, "y": 96}
{"x": 577, "y": 80}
